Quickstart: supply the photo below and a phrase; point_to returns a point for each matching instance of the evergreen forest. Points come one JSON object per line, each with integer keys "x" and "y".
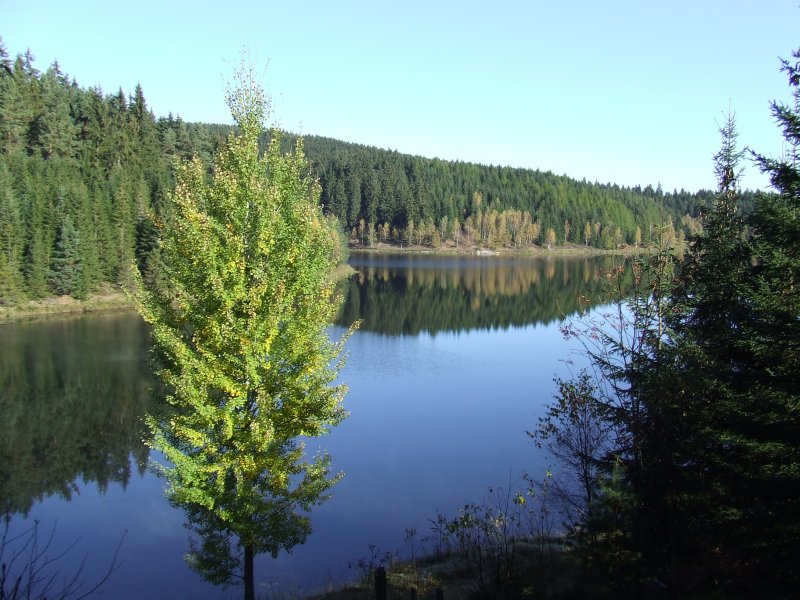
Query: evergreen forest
{"x": 85, "y": 174}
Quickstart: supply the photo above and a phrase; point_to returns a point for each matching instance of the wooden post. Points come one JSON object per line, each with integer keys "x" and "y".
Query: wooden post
{"x": 380, "y": 583}
{"x": 439, "y": 594}
{"x": 412, "y": 594}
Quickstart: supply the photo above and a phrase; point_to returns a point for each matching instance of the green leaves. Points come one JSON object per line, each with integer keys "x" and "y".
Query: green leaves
{"x": 241, "y": 333}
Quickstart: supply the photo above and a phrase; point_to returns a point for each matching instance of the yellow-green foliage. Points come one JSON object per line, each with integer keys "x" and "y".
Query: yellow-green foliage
{"x": 241, "y": 336}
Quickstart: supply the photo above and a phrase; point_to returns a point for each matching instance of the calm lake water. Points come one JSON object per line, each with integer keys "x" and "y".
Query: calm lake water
{"x": 454, "y": 360}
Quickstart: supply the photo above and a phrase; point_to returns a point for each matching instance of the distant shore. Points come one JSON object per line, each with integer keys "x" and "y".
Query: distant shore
{"x": 450, "y": 249}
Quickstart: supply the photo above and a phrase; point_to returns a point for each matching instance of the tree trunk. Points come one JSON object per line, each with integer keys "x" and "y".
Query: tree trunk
{"x": 249, "y": 582}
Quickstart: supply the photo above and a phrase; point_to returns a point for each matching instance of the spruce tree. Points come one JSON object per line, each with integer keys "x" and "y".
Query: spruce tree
{"x": 54, "y": 129}
{"x": 66, "y": 268}
{"x": 11, "y": 282}
{"x": 771, "y": 432}
{"x": 736, "y": 318}
{"x": 708, "y": 309}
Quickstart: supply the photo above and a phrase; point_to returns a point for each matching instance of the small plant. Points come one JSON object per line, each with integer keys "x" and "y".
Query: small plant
{"x": 408, "y": 538}
{"x": 366, "y": 566}
{"x": 485, "y": 536}
{"x": 440, "y": 535}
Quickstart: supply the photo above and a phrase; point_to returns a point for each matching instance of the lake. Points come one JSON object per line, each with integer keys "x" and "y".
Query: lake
{"x": 454, "y": 360}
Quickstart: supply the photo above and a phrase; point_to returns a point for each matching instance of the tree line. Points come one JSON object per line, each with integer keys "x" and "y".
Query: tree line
{"x": 381, "y": 195}
{"x": 85, "y": 176}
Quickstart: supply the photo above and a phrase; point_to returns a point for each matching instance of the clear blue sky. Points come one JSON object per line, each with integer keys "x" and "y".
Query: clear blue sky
{"x": 629, "y": 92}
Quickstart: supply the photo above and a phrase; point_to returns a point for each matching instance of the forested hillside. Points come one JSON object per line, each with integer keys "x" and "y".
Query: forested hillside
{"x": 84, "y": 174}
{"x": 421, "y": 200}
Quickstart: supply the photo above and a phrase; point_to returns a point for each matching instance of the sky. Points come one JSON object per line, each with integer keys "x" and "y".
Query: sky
{"x": 626, "y": 92}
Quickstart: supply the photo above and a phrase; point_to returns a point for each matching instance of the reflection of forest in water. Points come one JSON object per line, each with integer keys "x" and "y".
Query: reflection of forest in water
{"x": 407, "y": 295}
{"x": 74, "y": 394}
{"x": 74, "y": 390}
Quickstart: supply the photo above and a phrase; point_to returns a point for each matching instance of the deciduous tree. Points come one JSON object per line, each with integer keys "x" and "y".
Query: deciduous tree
{"x": 242, "y": 343}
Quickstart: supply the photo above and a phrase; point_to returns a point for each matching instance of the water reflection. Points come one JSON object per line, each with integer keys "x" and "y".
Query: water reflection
{"x": 74, "y": 393}
{"x": 412, "y": 294}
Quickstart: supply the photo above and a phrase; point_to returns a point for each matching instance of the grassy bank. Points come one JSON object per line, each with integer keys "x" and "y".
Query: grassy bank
{"x": 56, "y": 306}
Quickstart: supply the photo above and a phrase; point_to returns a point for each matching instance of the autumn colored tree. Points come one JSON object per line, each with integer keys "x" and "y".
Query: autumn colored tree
{"x": 550, "y": 238}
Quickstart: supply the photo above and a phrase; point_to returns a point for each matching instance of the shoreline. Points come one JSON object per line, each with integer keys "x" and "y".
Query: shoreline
{"x": 449, "y": 249}
{"x": 109, "y": 299}
{"x": 64, "y": 306}
{"x": 106, "y": 299}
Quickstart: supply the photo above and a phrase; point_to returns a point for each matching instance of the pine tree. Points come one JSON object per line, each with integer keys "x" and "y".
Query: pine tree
{"x": 15, "y": 107}
{"x": 634, "y": 524}
{"x": 38, "y": 245}
{"x": 54, "y": 130}
{"x": 715, "y": 269}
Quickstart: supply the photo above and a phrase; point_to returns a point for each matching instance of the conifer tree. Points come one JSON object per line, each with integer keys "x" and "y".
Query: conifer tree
{"x": 37, "y": 248}
{"x": 737, "y": 338}
{"x": 11, "y": 283}
{"x": 66, "y": 269}
{"x": 770, "y": 429}
{"x": 699, "y": 384}
{"x": 54, "y": 129}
